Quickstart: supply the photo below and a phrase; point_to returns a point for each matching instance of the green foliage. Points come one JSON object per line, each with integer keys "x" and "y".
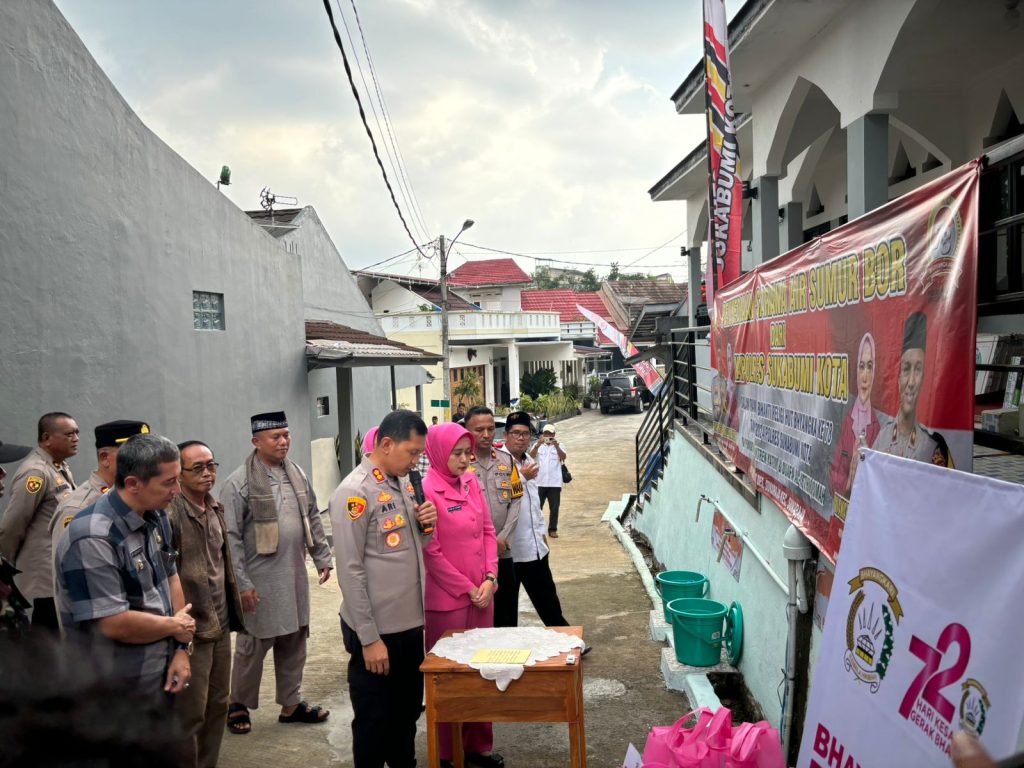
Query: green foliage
{"x": 615, "y": 274}
{"x": 426, "y": 308}
{"x": 468, "y": 388}
{"x": 572, "y": 279}
{"x": 594, "y": 387}
{"x": 527, "y": 403}
{"x": 575, "y": 391}
{"x": 557, "y": 404}
{"x": 539, "y": 382}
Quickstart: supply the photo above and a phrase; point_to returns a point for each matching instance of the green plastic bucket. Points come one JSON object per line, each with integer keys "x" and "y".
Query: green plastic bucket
{"x": 697, "y": 630}
{"x": 676, "y": 584}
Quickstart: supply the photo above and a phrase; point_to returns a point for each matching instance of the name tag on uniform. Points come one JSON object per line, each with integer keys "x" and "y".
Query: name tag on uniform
{"x": 456, "y": 508}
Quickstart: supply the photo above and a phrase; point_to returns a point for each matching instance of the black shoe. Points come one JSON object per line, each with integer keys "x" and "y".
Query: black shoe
{"x": 493, "y": 760}
{"x": 447, "y": 764}
{"x": 586, "y": 650}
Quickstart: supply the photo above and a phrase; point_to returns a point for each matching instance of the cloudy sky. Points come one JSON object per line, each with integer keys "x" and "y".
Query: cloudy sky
{"x": 545, "y": 121}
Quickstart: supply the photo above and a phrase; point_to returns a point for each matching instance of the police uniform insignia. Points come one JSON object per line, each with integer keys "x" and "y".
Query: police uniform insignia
{"x": 384, "y": 497}
{"x": 410, "y": 489}
{"x": 34, "y": 484}
{"x": 504, "y": 495}
{"x": 471, "y": 469}
{"x": 104, "y": 489}
{"x": 388, "y": 524}
{"x": 159, "y": 539}
{"x": 494, "y": 455}
{"x": 356, "y": 506}
{"x": 67, "y": 520}
{"x": 378, "y": 475}
{"x": 503, "y": 467}
{"x": 393, "y": 539}
{"x": 140, "y": 563}
{"x": 399, "y": 521}
{"x": 472, "y": 457}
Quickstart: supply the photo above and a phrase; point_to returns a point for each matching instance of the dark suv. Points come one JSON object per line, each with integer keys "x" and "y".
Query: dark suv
{"x": 620, "y": 392}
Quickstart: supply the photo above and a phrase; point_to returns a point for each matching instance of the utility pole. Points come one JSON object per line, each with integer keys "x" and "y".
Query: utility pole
{"x": 446, "y": 363}
{"x": 446, "y": 366}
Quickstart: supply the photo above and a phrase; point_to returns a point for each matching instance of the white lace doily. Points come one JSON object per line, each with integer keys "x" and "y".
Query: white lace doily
{"x": 543, "y": 644}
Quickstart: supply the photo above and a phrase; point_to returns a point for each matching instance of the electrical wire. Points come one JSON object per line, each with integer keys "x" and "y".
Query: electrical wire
{"x": 392, "y": 159}
{"x": 402, "y": 167}
{"x": 366, "y": 125}
{"x": 564, "y": 261}
{"x": 663, "y": 245}
{"x": 396, "y": 256}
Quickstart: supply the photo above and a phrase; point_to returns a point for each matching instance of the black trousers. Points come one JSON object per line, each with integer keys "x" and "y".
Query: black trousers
{"x": 386, "y": 707}
{"x": 554, "y": 498}
{"x": 506, "y": 599}
{"x": 44, "y": 613}
{"x": 536, "y": 577}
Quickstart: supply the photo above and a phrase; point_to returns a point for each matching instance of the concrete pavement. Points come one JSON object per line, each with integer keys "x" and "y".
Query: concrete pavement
{"x": 599, "y": 588}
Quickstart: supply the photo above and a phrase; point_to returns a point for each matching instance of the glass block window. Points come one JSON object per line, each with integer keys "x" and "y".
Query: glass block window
{"x": 323, "y": 406}
{"x": 207, "y": 311}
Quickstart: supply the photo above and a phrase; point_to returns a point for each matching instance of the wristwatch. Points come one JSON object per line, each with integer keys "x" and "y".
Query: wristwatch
{"x": 186, "y": 647}
{"x": 491, "y": 578}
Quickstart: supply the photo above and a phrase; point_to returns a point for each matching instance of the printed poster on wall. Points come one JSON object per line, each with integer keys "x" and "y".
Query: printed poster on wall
{"x": 923, "y": 619}
{"x": 864, "y": 337}
{"x": 728, "y": 549}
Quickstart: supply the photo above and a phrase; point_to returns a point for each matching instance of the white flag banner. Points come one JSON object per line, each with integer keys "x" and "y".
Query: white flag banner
{"x": 644, "y": 368}
{"x": 923, "y": 625}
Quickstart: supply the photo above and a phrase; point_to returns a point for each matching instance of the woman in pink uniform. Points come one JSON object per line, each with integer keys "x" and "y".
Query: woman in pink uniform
{"x": 461, "y": 563}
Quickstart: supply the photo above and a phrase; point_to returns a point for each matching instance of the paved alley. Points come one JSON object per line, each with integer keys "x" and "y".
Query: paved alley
{"x": 598, "y": 587}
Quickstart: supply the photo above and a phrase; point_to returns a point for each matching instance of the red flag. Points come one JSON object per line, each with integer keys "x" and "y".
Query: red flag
{"x": 725, "y": 185}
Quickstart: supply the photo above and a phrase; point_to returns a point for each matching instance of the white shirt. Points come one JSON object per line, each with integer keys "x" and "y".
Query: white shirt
{"x": 550, "y": 475}
{"x": 528, "y": 537}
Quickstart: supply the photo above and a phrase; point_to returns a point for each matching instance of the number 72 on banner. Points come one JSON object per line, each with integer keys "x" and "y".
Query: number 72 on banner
{"x": 925, "y": 704}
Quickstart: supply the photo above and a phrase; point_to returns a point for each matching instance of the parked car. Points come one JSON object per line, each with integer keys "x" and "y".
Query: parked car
{"x": 620, "y": 392}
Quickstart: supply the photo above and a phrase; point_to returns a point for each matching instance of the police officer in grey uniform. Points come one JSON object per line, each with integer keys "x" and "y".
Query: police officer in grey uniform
{"x": 504, "y": 488}
{"x": 42, "y": 481}
{"x": 109, "y": 439}
{"x": 904, "y": 436}
{"x": 379, "y": 532}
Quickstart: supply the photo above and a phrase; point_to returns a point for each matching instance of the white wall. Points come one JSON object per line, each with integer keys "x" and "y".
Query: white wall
{"x": 388, "y": 296}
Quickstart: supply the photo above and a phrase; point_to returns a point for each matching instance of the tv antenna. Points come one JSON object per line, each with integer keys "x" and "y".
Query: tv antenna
{"x": 268, "y": 200}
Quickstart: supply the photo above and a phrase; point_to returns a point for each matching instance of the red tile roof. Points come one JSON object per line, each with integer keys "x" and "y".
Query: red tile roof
{"x": 489, "y": 272}
{"x": 564, "y": 301}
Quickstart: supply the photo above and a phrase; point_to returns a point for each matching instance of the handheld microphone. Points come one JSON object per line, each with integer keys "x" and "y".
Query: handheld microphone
{"x": 417, "y": 492}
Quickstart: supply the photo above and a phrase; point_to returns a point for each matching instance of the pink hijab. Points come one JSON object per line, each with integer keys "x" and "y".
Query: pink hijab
{"x": 370, "y": 440}
{"x": 441, "y": 440}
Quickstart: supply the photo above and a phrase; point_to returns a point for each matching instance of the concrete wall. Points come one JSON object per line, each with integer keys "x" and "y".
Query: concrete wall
{"x": 392, "y": 297}
{"x": 104, "y": 234}
{"x": 680, "y": 543}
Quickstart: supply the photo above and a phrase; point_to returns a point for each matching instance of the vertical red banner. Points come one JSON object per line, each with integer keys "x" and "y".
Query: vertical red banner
{"x": 725, "y": 184}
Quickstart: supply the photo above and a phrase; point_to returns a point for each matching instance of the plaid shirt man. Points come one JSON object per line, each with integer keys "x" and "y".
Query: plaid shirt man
{"x": 112, "y": 561}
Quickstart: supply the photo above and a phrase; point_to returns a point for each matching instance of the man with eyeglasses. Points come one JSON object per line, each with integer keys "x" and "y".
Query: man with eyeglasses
{"x": 529, "y": 544}
{"x": 40, "y": 483}
{"x": 208, "y": 581}
{"x": 109, "y": 439}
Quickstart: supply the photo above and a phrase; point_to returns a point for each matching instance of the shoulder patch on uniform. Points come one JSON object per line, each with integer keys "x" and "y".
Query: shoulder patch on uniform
{"x": 67, "y": 520}
{"x": 356, "y": 506}
{"x": 378, "y": 475}
{"x": 34, "y": 483}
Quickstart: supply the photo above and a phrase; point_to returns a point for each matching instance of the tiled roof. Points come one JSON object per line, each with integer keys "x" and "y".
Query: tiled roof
{"x": 648, "y": 291}
{"x": 489, "y": 272}
{"x": 332, "y": 343}
{"x": 564, "y": 301}
{"x": 455, "y": 302}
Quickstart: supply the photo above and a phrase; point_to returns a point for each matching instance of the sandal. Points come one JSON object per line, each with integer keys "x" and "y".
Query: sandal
{"x": 238, "y": 719}
{"x": 303, "y": 713}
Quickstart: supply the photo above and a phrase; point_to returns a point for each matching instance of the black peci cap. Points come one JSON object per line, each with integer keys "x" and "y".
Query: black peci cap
{"x": 915, "y": 331}
{"x": 114, "y": 434}
{"x": 270, "y": 420}
{"x": 517, "y": 419}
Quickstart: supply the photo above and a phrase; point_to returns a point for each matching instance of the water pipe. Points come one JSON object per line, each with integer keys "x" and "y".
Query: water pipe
{"x": 797, "y": 550}
{"x": 744, "y": 536}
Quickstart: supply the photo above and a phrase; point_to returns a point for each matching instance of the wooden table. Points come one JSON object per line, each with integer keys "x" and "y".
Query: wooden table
{"x": 548, "y": 692}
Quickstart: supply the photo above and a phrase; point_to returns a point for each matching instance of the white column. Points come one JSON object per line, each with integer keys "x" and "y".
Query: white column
{"x": 490, "y": 397}
{"x": 513, "y": 371}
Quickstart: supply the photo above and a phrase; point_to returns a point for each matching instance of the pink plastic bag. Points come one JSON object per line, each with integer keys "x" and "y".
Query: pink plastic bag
{"x": 663, "y": 739}
{"x": 706, "y": 745}
{"x": 755, "y": 745}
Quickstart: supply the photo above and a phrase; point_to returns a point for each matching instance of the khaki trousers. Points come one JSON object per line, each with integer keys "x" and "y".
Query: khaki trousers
{"x": 202, "y": 708}
{"x": 289, "y": 662}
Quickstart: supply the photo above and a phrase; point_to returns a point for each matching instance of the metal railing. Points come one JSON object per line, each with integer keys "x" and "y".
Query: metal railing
{"x": 677, "y": 399}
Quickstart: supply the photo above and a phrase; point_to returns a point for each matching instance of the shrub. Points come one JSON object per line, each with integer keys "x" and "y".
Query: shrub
{"x": 539, "y": 382}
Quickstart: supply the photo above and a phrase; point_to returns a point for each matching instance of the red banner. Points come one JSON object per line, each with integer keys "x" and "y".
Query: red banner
{"x": 862, "y": 337}
{"x": 725, "y": 185}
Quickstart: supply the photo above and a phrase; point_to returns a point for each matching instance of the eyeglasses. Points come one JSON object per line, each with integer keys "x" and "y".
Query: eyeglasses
{"x": 518, "y": 433}
{"x": 200, "y": 468}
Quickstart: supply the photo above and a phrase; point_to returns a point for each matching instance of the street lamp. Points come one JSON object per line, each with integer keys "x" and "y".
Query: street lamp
{"x": 445, "y": 363}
